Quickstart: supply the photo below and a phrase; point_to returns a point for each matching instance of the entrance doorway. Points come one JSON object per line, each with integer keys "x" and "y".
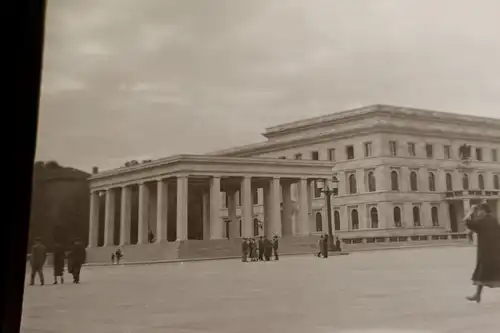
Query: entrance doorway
{"x": 453, "y": 218}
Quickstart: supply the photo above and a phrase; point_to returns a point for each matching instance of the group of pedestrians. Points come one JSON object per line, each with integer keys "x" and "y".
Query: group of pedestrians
{"x": 116, "y": 256}
{"x": 76, "y": 258}
{"x": 259, "y": 250}
{"x": 323, "y": 246}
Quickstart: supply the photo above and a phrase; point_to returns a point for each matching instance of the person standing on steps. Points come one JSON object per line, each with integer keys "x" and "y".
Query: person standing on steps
{"x": 487, "y": 273}
{"x": 38, "y": 257}
{"x": 58, "y": 257}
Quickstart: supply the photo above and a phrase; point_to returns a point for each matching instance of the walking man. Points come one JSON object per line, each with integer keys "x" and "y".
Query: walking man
{"x": 261, "y": 248}
{"x": 77, "y": 259}
{"x": 320, "y": 246}
{"x": 38, "y": 256}
{"x": 325, "y": 246}
{"x": 244, "y": 250}
{"x": 58, "y": 259}
{"x": 275, "y": 248}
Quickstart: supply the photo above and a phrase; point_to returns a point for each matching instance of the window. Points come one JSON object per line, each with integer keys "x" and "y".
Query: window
{"x": 374, "y": 217}
{"x": 416, "y": 216}
{"x": 435, "y": 216}
{"x": 397, "y": 217}
{"x": 255, "y": 227}
{"x": 282, "y": 157}
{"x": 480, "y": 182}
{"x": 354, "y": 219}
{"x": 429, "y": 150}
{"x": 319, "y": 222}
{"x": 372, "y": 186}
{"x": 315, "y": 156}
{"x": 447, "y": 152}
{"x": 336, "y": 219}
{"x": 255, "y": 196}
{"x": 368, "y": 149}
{"x": 479, "y": 154}
{"x": 394, "y": 181}
{"x": 496, "y": 182}
{"x": 465, "y": 182}
{"x": 317, "y": 191}
{"x": 413, "y": 181}
{"x": 411, "y": 149}
{"x": 352, "y": 184}
{"x": 349, "y": 150}
{"x": 432, "y": 182}
{"x": 494, "y": 155}
{"x": 449, "y": 182}
{"x": 393, "y": 148}
{"x": 331, "y": 154}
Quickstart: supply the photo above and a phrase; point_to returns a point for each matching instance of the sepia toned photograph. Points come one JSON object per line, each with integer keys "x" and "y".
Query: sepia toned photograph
{"x": 237, "y": 166}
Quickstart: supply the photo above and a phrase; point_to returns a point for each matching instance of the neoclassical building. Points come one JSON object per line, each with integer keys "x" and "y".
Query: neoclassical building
{"x": 399, "y": 172}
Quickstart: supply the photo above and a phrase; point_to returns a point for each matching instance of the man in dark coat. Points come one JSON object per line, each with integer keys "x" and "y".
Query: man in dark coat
{"x": 118, "y": 255}
{"x": 38, "y": 256}
{"x": 268, "y": 248}
{"x": 275, "y": 248}
{"x": 77, "y": 259}
{"x": 261, "y": 248}
{"x": 58, "y": 261}
{"x": 487, "y": 273}
{"x": 244, "y": 250}
{"x": 320, "y": 246}
{"x": 325, "y": 246}
{"x": 338, "y": 246}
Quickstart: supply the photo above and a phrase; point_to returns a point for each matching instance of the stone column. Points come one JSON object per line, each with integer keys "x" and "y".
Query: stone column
{"x": 287, "y": 209}
{"x": 426, "y": 216}
{"x": 109, "y": 218}
{"x": 182, "y": 208}
{"x": 423, "y": 184}
{"x": 216, "y": 223}
{"x": 303, "y": 217}
{"x": 364, "y": 220}
{"x": 231, "y": 210}
{"x": 466, "y": 203}
{"x": 275, "y": 218}
{"x": 247, "y": 207}
{"x": 94, "y": 219}
{"x": 161, "y": 210}
{"x": 142, "y": 232}
{"x": 457, "y": 180}
{"x": 380, "y": 179}
{"x": 407, "y": 215}
{"x": 360, "y": 181}
{"x": 267, "y": 209}
{"x": 125, "y": 211}
{"x": 344, "y": 219}
{"x": 206, "y": 215}
{"x": 404, "y": 183}
{"x": 444, "y": 215}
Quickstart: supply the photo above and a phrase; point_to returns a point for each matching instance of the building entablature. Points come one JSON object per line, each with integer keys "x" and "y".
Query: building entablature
{"x": 202, "y": 166}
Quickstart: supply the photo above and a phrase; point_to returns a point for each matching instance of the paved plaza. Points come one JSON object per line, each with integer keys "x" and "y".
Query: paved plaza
{"x": 414, "y": 290}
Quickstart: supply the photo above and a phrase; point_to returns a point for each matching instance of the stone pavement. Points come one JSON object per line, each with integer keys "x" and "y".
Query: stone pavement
{"x": 413, "y": 290}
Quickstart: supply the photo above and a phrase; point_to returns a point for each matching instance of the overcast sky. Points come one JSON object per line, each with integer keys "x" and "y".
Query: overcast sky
{"x": 136, "y": 79}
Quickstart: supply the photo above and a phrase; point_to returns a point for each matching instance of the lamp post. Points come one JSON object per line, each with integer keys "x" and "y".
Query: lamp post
{"x": 328, "y": 192}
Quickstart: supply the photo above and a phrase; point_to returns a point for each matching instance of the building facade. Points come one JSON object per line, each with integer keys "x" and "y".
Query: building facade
{"x": 400, "y": 172}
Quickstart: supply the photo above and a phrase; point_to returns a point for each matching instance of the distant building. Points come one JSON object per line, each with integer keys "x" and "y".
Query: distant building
{"x": 401, "y": 171}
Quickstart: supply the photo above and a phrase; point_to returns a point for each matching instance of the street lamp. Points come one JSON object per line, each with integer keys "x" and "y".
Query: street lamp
{"x": 328, "y": 192}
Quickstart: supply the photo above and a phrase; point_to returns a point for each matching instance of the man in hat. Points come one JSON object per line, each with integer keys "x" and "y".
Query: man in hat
{"x": 487, "y": 273}
{"x": 275, "y": 247}
{"x": 38, "y": 257}
{"x": 77, "y": 259}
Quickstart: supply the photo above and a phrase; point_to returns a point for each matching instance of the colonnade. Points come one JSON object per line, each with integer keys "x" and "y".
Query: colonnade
{"x": 156, "y": 193}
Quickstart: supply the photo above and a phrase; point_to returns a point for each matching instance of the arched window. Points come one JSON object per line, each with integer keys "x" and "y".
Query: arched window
{"x": 432, "y": 182}
{"x": 394, "y": 181}
{"x": 449, "y": 182}
{"x": 416, "y": 216}
{"x": 480, "y": 182}
{"x": 374, "y": 217}
{"x": 397, "y": 217}
{"x": 352, "y": 184}
{"x": 372, "y": 186}
{"x": 496, "y": 182}
{"x": 413, "y": 181}
{"x": 435, "y": 216}
{"x": 336, "y": 219}
{"x": 319, "y": 222}
{"x": 255, "y": 227}
{"x": 354, "y": 219}
{"x": 465, "y": 182}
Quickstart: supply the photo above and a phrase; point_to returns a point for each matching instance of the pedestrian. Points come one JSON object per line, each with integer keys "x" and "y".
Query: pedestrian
{"x": 151, "y": 236}
{"x": 112, "y": 258}
{"x": 325, "y": 246}
{"x": 268, "y": 249}
{"x": 38, "y": 257}
{"x": 77, "y": 259}
{"x": 338, "y": 246}
{"x": 118, "y": 255}
{"x": 261, "y": 248}
{"x": 58, "y": 257}
{"x": 487, "y": 272}
{"x": 253, "y": 250}
{"x": 275, "y": 247}
{"x": 320, "y": 246}
{"x": 244, "y": 250}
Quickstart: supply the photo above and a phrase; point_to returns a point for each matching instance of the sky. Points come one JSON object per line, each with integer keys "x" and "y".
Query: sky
{"x": 145, "y": 79}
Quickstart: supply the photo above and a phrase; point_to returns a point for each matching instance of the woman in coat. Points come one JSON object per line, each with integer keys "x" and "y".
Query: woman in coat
{"x": 487, "y": 273}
